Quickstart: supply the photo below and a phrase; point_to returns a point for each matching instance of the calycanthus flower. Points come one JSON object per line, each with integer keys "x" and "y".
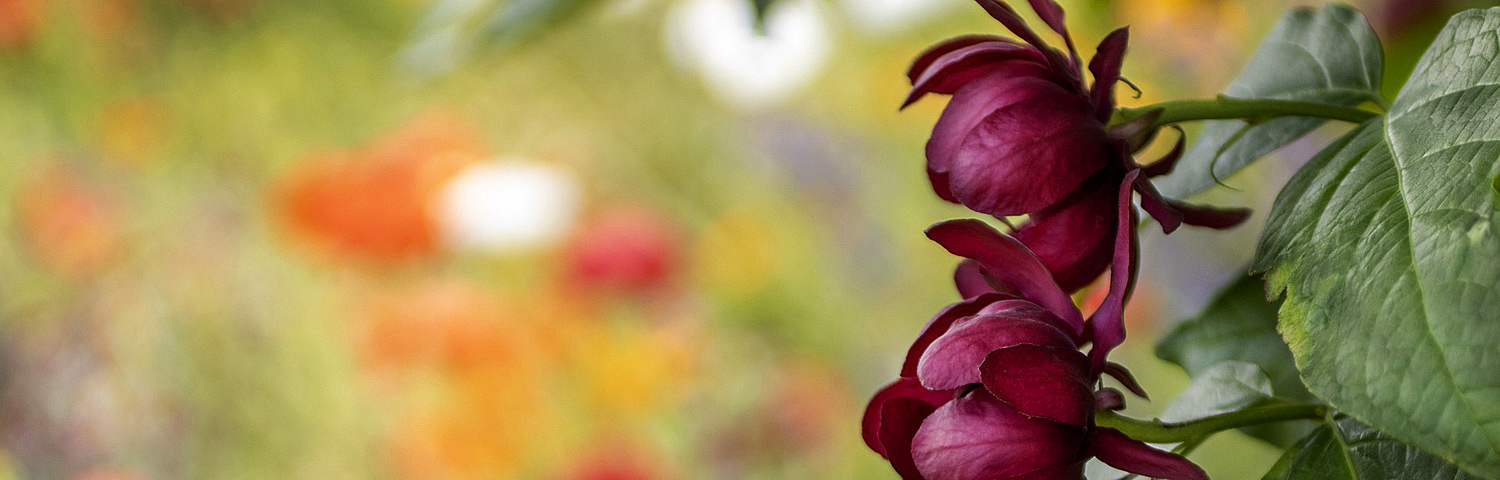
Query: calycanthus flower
{"x": 1022, "y": 135}
{"x": 995, "y": 386}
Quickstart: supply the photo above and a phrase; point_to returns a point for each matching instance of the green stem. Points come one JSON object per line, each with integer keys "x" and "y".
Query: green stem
{"x": 1157, "y": 431}
{"x": 1223, "y": 108}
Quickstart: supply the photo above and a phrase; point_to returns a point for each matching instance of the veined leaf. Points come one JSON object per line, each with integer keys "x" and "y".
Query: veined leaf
{"x": 1224, "y": 388}
{"x": 1349, "y": 450}
{"x": 1327, "y": 56}
{"x": 1385, "y": 247}
{"x": 1240, "y": 325}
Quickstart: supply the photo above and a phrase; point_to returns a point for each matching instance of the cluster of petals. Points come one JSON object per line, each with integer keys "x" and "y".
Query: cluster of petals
{"x": 996, "y": 387}
{"x": 1022, "y": 135}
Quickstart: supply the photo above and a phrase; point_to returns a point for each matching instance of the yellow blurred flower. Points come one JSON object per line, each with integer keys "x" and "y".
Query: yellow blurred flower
{"x": 736, "y": 254}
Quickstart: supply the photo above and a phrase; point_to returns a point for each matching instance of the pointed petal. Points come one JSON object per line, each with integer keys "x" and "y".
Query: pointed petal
{"x": 979, "y": 437}
{"x": 940, "y": 324}
{"x": 1106, "y": 69}
{"x": 1075, "y": 239}
{"x": 1109, "y": 399}
{"x": 1126, "y": 379}
{"x": 927, "y": 57}
{"x": 954, "y": 359}
{"x": 1131, "y": 455}
{"x": 1218, "y": 218}
{"x": 905, "y": 388}
{"x": 1156, "y": 205}
{"x": 1009, "y": 263}
{"x": 969, "y": 277}
{"x": 1007, "y": 16}
{"x": 1041, "y": 381}
{"x": 1072, "y": 471}
{"x": 955, "y": 69}
{"x": 1108, "y": 322}
{"x": 1166, "y": 163}
{"x": 1137, "y": 132}
{"x": 1052, "y": 14}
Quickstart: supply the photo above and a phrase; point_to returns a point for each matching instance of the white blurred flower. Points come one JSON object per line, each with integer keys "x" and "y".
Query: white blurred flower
{"x": 890, "y": 17}
{"x": 743, "y": 67}
{"x": 508, "y": 205}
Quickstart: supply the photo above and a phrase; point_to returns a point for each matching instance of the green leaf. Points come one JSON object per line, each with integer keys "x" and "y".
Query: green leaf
{"x": 1327, "y": 56}
{"x": 1384, "y": 246}
{"x": 1352, "y": 450}
{"x": 1224, "y": 388}
{"x": 1240, "y": 325}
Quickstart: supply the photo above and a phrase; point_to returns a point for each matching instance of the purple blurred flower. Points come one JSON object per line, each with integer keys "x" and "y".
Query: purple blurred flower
{"x": 1022, "y": 135}
{"x": 995, "y": 387}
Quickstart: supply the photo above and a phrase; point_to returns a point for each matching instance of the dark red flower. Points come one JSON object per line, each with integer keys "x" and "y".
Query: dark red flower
{"x": 996, "y": 387}
{"x": 1022, "y": 135}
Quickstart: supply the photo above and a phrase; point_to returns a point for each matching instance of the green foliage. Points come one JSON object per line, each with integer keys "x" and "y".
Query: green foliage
{"x": 1385, "y": 249}
{"x": 1226, "y": 387}
{"x": 1325, "y": 56}
{"x": 1239, "y": 326}
{"x": 1348, "y": 449}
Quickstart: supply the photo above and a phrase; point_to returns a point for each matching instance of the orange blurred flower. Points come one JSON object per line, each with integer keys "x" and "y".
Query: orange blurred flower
{"x": 376, "y": 203}
{"x": 72, "y": 227}
{"x": 19, "y": 20}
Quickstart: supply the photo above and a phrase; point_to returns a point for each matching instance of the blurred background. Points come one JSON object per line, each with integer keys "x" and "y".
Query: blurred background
{"x": 517, "y": 239}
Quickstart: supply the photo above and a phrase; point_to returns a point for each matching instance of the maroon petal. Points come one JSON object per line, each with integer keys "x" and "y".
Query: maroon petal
{"x": 1108, "y": 322}
{"x": 979, "y": 437}
{"x": 1156, "y": 205}
{"x": 1007, "y": 16}
{"x": 1106, "y": 69}
{"x": 1052, "y": 14}
{"x": 900, "y": 419}
{"x": 1218, "y": 218}
{"x": 1009, "y": 263}
{"x": 1072, "y": 471}
{"x": 1030, "y": 153}
{"x": 959, "y": 67}
{"x": 927, "y": 57}
{"x": 940, "y": 324}
{"x": 1126, "y": 379}
{"x": 1108, "y": 399}
{"x": 905, "y": 388}
{"x": 971, "y": 103}
{"x": 1045, "y": 382}
{"x": 954, "y": 359}
{"x": 1166, "y": 163}
{"x": 969, "y": 277}
{"x": 1131, "y": 455}
{"x": 1074, "y": 239}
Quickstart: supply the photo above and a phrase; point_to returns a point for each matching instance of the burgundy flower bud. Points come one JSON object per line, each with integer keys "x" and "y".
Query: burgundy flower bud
{"x": 996, "y": 386}
{"x": 1022, "y": 135}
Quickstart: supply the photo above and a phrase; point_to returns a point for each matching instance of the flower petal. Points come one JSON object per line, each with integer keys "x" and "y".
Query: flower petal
{"x": 979, "y": 437}
{"x": 1029, "y": 153}
{"x": 1106, "y": 69}
{"x": 940, "y": 324}
{"x": 1166, "y": 163}
{"x": 957, "y": 68}
{"x": 1108, "y": 322}
{"x": 1126, "y": 379}
{"x": 1009, "y": 263}
{"x": 970, "y": 105}
{"x": 1218, "y": 218}
{"x": 1007, "y": 16}
{"x": 1156, "y": 205}
{"x": 905, "y": 388}
{"x": 1041, "y": 381}
{"x": 969, "y": 277}
{"x": 1074, "y": 239}
{"x": 927, "y": 57}
{"x": 1109, "y": 399}
{"x": 1072, "y": 471}
{"x": 1131, "y": 455}
{"x": 900, "y": 419}
{"x": 1052, "y": 14}
{"x": 954, "y": 359}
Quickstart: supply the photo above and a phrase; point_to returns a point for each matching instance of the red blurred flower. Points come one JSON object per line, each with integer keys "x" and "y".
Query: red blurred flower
{"x": 19, "y": 20}
{"x": 625, "y": 251}
{"x": 1022, "y": 135}
{"x": 70, "y": 225}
